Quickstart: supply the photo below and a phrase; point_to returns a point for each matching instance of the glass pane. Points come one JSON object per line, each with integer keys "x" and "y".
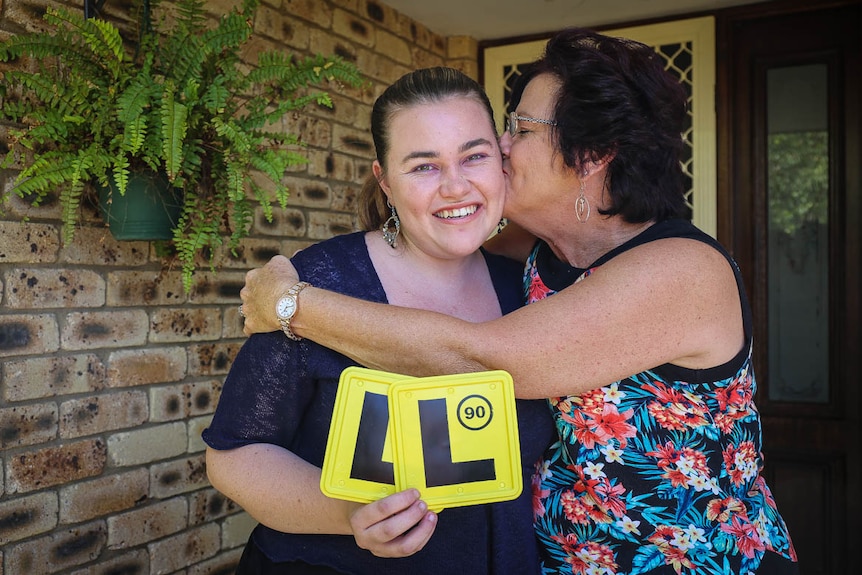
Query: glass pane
{"x": 798, "y": 238}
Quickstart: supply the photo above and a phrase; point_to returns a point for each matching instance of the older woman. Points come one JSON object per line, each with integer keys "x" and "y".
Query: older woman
{"x": 644, "y": 348}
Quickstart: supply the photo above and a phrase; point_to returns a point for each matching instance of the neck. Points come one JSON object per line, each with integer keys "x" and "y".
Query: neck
{"x": 580, "y": 247}
{"x": 459, "y": 286}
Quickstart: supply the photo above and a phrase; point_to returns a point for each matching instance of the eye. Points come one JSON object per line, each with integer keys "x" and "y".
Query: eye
{"x": 423, "y": 168}
{"x": 476, "y": 157}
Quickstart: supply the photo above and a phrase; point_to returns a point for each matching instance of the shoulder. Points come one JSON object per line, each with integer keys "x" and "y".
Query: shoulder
{"x": 342, "y": 246}
{"x": 340, "y": 264}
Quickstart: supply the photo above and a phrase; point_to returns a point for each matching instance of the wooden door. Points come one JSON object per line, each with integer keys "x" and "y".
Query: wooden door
{"x": 790, "y": 209}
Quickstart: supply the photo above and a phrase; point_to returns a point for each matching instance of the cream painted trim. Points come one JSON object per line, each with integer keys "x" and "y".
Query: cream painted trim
{"x": 701, "y": 33}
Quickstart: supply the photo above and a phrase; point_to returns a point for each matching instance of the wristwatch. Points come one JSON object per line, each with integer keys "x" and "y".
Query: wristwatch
{"x": 285, "y": 309}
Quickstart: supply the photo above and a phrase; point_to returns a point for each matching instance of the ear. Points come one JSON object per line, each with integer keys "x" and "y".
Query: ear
{"x": 380, "y": 176}
{"x": 592, "y": 167}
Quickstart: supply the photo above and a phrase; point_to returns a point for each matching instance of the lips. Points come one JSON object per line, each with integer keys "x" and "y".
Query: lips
{"x": 457, "y": 213}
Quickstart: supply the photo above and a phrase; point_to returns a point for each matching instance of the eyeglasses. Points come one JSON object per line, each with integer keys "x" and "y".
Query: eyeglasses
{"x": 512, "y": 122}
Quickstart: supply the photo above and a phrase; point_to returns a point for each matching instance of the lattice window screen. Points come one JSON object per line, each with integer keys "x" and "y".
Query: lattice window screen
{"x": 688, "y": 47}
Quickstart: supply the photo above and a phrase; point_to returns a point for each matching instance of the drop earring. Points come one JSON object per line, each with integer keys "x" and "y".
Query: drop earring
{"x": 391, "y": 227}
{"x": 582, "y": 204}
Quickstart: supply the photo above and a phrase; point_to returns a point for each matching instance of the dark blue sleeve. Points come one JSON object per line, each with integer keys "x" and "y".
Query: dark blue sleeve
{"x": 264, "y": 396}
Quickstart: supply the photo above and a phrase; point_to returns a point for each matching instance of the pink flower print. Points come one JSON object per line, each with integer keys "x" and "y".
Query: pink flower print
{"x": 601, "y": 428}
{"x": 741, "y": 462}
{"x": 721, "y": 510}
{"x": 537, "y": 289}
{"x": 747, "y": 538}
{"x": 588, "y": 557}
{"x": 676, "y": 410}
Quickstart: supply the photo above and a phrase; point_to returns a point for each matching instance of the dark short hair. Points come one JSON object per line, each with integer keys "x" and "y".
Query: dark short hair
{"x": 616, "y": 98}
{"x": 427, "y": 85}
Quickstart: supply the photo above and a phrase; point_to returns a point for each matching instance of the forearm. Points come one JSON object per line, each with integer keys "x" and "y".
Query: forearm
{"x": 279, "y": 489}
{"x": 385, "y": 337}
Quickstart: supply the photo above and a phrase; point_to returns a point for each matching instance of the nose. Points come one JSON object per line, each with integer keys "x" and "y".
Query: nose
{"x": 454, "y": 182}
{"x": 505, "y": 144}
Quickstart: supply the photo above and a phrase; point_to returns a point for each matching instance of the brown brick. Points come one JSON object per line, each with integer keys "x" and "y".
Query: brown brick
{"x": 135, "y": 288}
{"x": 222, "y": 564}
{"x": 131, "y": 562}
{"x": 99, "y": 413}
{"x": 148, "y": 444}
{"x": 380, "y": 68}
{"x": 147, "y": 524}
{"x": 55, "y": 465}
{"x": 96, "y": 246}
{"x": 167, "y": 403}
{"x": 462, "y": 47}
{"x": 289, "y": 222}
{"x": 196, "y": 427}
{"x": 103, "y": 496}
{"x": 355, "y": 142}
{"x": 105, "y": 329}
{"x": 415, "y": 32}
{"x": 208, "y": 505}
{"x": 426, "y": 59}
{"x": 236, "y": 529}
{"x": 27, "y": 242}
{"x": 323, "y": 225}
{"x": 40, "y": 288}
{"x": 394, "y": 47}
{"x": 132, "y": 367}
{"x": 323, "y": 42}
{"x": 212, "y": 359}
{"x": 217, "y": 288}
{"x": 185, "y": 324}
{"x": 176, "y": 477}
{"x": 353, "y": 28}
{"x": 40, "y": 377}
{"x": 314, "y": 11}
{"x": 334, "y": 165}
{"x": 183, "y": 401}
{"x": 60, "y": 550}
{"x": 27, "y": 516}
{"x": 344, "y": 196}
{"x": 187, "y": 548}
{"x": 251, "y": 253}
{"x": 379, "y": 13}
{"x": 28, "y": 334}
{"x": 315, "y": 132}
{"x": 28, "y": 425}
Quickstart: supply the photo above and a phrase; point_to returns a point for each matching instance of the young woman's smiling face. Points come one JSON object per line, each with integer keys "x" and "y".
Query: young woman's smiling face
{"x": 444, "y": 176}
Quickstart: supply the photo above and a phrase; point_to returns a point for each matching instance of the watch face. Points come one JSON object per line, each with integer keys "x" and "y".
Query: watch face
{"x": 285, "y": 307}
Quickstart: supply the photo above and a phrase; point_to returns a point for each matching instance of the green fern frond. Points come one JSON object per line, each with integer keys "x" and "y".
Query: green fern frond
{"x": 173, "y": 132}
{"x": 100, "y": 38}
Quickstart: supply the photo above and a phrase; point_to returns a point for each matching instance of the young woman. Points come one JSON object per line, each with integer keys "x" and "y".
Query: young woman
{"x": 436, "y": 194}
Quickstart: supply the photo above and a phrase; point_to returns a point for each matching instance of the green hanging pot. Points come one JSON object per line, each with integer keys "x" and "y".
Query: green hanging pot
{"x": 149, "y": 210}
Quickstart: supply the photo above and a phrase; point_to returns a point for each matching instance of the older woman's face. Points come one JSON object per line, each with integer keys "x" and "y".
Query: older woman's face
{"x": 444, "y": 176}
{"x": 538, "y": 185}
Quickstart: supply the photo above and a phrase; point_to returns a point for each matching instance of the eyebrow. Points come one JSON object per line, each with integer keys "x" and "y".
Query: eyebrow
{"x": 431, "y": 154}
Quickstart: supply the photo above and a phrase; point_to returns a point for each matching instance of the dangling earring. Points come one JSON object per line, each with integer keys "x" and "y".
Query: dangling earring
{"x": 582, "y": 205}
{"x": 393, "y": 222}
{"x": 502, "y": 224}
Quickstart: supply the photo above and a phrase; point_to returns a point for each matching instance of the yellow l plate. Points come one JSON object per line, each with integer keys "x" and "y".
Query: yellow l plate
{"x": 454, "y": 437}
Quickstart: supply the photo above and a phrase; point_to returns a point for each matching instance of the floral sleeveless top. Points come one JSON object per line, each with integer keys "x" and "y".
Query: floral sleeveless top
{"x": 659, "y": 471}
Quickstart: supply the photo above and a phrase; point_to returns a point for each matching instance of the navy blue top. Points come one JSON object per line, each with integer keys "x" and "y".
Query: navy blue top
{"x": 282, "y": 392}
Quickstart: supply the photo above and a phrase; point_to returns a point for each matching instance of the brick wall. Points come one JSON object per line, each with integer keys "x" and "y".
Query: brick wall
{"x": 110, "y": 371}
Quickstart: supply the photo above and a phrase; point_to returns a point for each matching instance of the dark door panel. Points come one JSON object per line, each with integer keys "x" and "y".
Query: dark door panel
{"x": 790, "y": 211}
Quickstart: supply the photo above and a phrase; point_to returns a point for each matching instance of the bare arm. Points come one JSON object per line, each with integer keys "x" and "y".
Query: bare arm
{"x": 671, "y": 300}
{"x": 281, "y": 490}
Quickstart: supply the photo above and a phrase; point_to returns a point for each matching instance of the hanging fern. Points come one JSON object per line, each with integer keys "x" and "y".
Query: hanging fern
{"x": 93, "y": 109}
